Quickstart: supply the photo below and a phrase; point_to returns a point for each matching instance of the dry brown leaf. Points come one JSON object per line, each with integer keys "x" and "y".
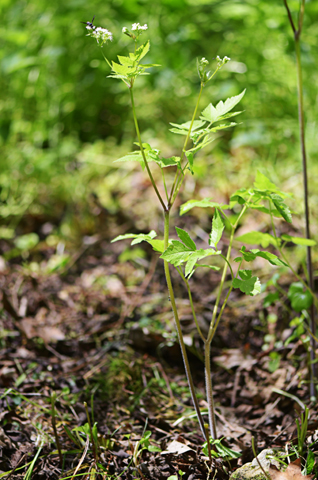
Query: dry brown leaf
{"x": 292, "y": 472}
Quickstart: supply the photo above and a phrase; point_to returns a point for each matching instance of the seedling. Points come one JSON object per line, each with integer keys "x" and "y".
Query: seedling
{"x": 183, "y": 254}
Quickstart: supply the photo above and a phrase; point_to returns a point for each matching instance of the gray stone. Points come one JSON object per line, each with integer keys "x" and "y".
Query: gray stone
{"x": 252, "y": 470}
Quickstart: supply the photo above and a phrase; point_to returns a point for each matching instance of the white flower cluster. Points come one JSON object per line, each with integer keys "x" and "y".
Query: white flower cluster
{"x": 101, "y": 34}
{"x": 204, "y": 61}
{"x": 222, "y": 61}
{"x": 138, "y": 27}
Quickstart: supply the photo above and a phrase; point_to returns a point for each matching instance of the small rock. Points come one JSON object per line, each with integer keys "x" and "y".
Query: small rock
{"x": 252, "y": 471}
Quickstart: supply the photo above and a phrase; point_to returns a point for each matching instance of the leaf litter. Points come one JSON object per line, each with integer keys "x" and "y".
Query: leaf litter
{"x": 89, "y": 338}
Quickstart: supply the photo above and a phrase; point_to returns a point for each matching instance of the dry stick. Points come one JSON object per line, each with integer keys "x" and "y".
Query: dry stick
{"x": 301, "y": 119}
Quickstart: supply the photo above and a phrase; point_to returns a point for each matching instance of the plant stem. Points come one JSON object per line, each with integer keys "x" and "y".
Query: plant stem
{"x": 53, "y": 399}
{"x": 191, "y": 303}
{"x": 279, "y": 248}
{"x": 213, "y": 326}
{"x": 142, "y": 150}
{"x": 179, "y": 331}
{"x": 178, "y": 182}
{"x": 301, "y": 120}
{"x": 306, "y": 195}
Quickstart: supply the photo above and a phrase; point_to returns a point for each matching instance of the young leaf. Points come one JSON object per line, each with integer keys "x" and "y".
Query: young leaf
{"x": 213, "y": 114}
{"x": 248, "y": 284}
{"x": 206, "y": 202}
{"x": 217, "y": 229}
{"x": 299, "y": 240}
{"x": 257, "y": 238}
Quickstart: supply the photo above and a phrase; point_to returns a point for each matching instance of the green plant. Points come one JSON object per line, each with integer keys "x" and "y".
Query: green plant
{"x": 184, "y": 254}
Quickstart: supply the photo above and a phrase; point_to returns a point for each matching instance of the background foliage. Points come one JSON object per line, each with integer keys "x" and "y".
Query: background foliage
{"x": 63, "y": 122}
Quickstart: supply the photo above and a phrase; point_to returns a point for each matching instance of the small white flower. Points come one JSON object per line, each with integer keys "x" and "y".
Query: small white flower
{"x": 139, "y": 28}
{"x": 125, "y": 30}
{"x": 102, "y": 35}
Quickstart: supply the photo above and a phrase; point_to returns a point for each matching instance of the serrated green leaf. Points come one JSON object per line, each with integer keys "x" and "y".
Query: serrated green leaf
{"x": 270, "y": 257}
{"x": 204, "y": 203}
{"x": 142, "y": 51}
{"x": 257, "y": 238}
{"x": 198, "y": 255}
{"x": 169, "y": 162}
{"x": 263, "y": 183}
{"x": 185, "y": 238}
{"x": 203, "y": 144}
{"x": 177, "y": 253}
{"x": 125, "y": 60}
{"x": 300, "y": 299}
{"x": 212, "y": 114}
{"x": 245, "y": 274}
{"x": 217, "y": 229}
{"x": 121, "y": 69}
{"x": 252, "y": 286}
{"x": 178, "y": 131}
{"x": 131, "y": 157}
{"x": 157, "y": 245}
{"x": 299, "y": 240}
{"x": 222, "y": 127}
{"x": 185, "y": 126}
{"x": 263, "y": 209}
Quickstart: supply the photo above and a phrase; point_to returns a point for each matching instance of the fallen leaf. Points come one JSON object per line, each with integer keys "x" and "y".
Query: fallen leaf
{"x": 176, "y": 447}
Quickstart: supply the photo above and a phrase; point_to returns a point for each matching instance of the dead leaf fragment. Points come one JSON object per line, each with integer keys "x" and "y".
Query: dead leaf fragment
{"x": 292, "y": 472}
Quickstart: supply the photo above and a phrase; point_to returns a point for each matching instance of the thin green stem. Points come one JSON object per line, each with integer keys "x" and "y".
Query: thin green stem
{"x": 179, "y": 330}
{"x": 213, "y": 326}
{"x": 191, "y": 303}
{"x": 174, "y": 193}
{"x": 301, "y": 120}
{"x": 209, "y": 389}
{"x": 164, "y": 183}
{"x": 143, "y": 152}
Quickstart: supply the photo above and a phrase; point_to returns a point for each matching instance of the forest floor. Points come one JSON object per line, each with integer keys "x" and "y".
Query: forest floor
{"x": 100, "y": 331}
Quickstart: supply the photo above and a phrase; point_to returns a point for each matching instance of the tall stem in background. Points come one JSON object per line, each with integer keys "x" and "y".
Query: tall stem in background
{"x": 301, "y": 119}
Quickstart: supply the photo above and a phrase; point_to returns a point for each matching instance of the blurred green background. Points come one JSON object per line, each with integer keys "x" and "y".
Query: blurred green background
{"x": 63, "y": 123}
